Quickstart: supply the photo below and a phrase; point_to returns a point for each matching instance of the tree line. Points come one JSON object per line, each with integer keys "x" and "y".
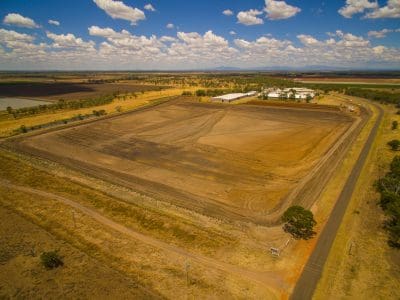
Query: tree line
{"x": 80, "y": 117}
{"x": 389, "y": 189}
{"x": 379, "y": 96}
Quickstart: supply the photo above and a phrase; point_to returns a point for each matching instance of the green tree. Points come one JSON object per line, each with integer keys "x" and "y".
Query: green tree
{"x": 23, "y": 129}
{"x": 299, "y": 222}
{"x": 394, "y": 145}
{"x": 200, "y": 93}
{"x": 395, "y": 125}
{"x": 389, "y": 188}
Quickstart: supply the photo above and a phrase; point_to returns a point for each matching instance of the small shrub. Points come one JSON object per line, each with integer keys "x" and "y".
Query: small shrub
{"x": 51, "y": 260}
{"x": 395, "y": 125}
{"x": 23, "y": 129}
{"x": 394, "y": 145}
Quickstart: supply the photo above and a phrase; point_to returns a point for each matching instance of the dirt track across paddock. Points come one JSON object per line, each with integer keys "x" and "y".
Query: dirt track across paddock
{"x": 243, "y": 162}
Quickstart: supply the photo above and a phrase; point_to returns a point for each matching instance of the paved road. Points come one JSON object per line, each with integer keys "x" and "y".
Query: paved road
{"x": 312, "y": 272}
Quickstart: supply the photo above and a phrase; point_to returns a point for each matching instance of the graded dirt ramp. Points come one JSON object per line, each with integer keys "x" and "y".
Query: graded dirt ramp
{"x": 237, "y": 162}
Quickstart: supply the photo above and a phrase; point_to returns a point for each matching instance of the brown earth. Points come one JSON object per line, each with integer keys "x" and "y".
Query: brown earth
{"x": 242, "y": 162}
{"x": 69, "y": 91}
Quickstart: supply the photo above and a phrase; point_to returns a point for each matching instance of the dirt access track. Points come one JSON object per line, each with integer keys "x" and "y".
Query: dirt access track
{"x": 237, "y": 162}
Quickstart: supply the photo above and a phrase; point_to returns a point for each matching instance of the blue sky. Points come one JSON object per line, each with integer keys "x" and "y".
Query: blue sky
{"x": 253, "y": 33}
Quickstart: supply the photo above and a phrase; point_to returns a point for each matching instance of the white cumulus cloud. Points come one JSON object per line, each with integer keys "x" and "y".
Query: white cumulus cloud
{"x": 170, "y": 26}
{"x": 14, "y": 19}
{"x": 149, "y": 7}
{"x": 353, "y": 7}
{"x": 249, "y": 17}
{"x": 379, "y": 33}
{"x": 278, "y": 10}
{"x": 391, "y": 10}
{"x": 69, "y": 41}
{"x": 54, "y": 22}
{"x": 227, "y": 12}
{"x": 118, "y": 10}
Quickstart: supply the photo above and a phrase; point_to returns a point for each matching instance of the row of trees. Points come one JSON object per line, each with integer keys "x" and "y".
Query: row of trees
{"x": 380, "y": 96}
{"x": 80, "y": 117}
{"x": 219, "y": 92}
{"x": 389, "y": 189}
{"x": 61, "y": 104}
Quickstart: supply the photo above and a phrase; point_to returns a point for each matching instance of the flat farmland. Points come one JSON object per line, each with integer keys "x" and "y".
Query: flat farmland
{"x": 69, "y": 91}
{"x": 240, "y": 162}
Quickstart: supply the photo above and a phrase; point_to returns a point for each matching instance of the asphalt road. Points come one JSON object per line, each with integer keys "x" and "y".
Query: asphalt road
{"x": 312, "y": 271}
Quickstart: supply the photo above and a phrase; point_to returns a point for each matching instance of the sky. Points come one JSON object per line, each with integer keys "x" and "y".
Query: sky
{"x": 188, "y": 35}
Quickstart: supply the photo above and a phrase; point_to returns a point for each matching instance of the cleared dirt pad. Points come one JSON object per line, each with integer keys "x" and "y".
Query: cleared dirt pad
{"x": 232, "y": 161}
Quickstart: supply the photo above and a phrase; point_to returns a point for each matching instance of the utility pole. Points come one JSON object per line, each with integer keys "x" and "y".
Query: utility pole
{"x": 73, "y": 218}
{"x": 187, "y": 272}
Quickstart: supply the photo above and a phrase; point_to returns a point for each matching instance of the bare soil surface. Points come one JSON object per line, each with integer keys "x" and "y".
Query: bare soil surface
{"x": 68, "y": 91}
{"x": 238, "y": 162}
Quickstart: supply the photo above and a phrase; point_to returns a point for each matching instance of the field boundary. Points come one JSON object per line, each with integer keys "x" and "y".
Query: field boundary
{"x": 152, "y": 104}
{"x": 178, "y": 197}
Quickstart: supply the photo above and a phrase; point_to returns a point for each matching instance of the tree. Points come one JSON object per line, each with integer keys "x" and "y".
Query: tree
{"x": 389, "y": 188}
{"x": 395, "y": 125}
{"x": 51, "y": 260}
{"x": 200, "y": 93}
{"x": 23, "y": 129}
{"x": 394, "y": 145}
{"x": 299, "y": 222}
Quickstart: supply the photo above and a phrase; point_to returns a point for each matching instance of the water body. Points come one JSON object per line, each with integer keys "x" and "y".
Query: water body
{"x": 20, "y": 103}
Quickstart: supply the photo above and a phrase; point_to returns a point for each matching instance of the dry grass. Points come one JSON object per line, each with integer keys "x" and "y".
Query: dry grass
{"x": 151, "y": 267}
{"x": 22, "y": 276}
{"x": 361, "y": 265}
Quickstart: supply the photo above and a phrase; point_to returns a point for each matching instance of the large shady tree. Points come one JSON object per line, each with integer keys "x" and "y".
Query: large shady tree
{"x": 299, "y": 222}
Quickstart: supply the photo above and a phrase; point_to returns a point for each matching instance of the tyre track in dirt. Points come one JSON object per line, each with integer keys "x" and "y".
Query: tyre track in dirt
{"x": 265, "y": 279}
{"x": 207, "y": 205}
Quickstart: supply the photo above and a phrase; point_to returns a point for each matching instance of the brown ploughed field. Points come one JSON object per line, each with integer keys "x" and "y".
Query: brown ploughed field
{"x": 69, "y": 91}
{"x": 234, "y": 161}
